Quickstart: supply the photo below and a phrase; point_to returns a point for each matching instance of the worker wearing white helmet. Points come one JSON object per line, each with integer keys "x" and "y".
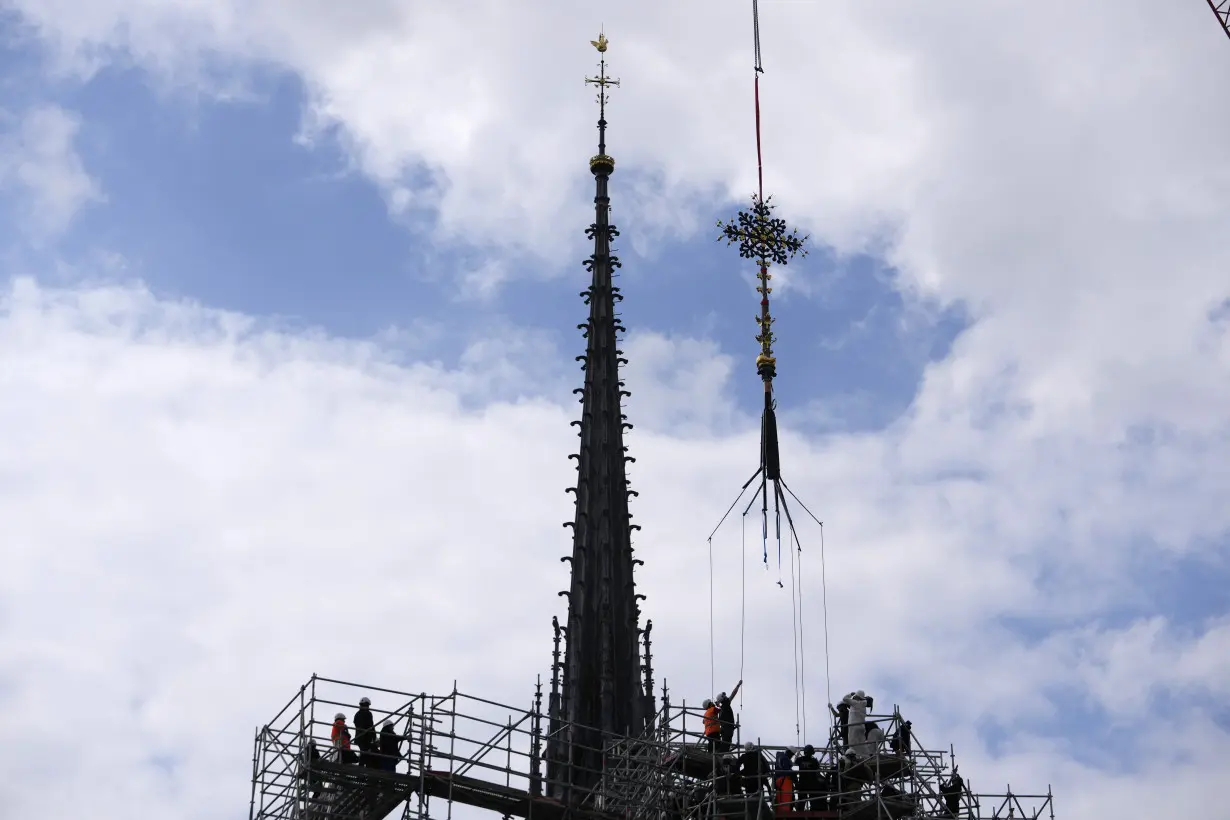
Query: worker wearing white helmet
{"x": 341, "y": 739}
{"x": 754, "y": 768}
{"x": 858, "y": 704}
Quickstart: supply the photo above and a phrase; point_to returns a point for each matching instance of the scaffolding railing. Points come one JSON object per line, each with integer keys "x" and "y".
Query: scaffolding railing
{"x": 438, "y": 751}
{"x": 450, "y": 748}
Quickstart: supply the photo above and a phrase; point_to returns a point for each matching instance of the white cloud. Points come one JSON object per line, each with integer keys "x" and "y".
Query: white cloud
{"x": 39, "y": 159}
{"x": 1058, "y": 172}
{"x": 202, "y": 510}
{"x": 474, "y": 104}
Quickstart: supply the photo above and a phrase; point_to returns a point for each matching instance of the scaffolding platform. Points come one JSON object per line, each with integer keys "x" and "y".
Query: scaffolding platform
{"x": 458, "y": 749}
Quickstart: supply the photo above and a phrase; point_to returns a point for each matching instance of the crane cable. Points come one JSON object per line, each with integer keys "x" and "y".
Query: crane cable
{"x": 824, "y": 599}
{"x": 824, "y": 591}
{"x": 756, "y": 92}
{"x": 796, "y": 555}
{"x": 796, "y": 614}
{"x": 795, "y": 628}
{"x": 743, "y": 604}
{"x": 712, "y": 662}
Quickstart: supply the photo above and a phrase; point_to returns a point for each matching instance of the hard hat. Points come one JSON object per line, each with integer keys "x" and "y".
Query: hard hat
{"x": 339, "y": 716}
{"x": 388, "y": 724}
{"x": 707, "y": 703}
{"x": 860, "y": 693}
{"x": 809, "y": 749}
{"x": 721, "y": 696}
{"x": 751, "y": 747}
{"x": 365, "y": 702}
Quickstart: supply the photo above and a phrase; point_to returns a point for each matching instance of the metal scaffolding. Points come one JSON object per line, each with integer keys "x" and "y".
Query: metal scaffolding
{"x": 461, "y": 749}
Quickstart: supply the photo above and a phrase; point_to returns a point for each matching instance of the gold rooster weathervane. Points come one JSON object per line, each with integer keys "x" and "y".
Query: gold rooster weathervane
{"x": 602, "y": 81}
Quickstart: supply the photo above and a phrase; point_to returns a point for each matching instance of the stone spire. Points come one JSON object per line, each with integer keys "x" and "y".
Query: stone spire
{"x": 598, "y": 690}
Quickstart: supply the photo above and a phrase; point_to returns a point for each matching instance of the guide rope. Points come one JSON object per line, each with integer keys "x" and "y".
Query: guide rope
{"x": 824, "y": 593}
{"x": 794, "y": 627}
{"x": 742, "y": 606}
{"x": 802, "y": 645}
{"x": 712, "y": 662}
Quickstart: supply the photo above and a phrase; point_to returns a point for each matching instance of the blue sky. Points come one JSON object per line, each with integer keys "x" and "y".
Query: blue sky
{"x": 215, "y": 202}
{"x": 227, "y": 343}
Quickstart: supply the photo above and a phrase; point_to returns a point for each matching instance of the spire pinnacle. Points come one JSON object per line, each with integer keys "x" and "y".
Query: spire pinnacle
{"x": 601, "y": 162}
{"x": 604, "y": 691}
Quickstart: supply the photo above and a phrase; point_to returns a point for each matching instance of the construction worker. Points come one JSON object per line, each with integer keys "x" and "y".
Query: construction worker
{"x": 843, "y": 719}
{"x": 754, "y": 768}
{"x": 783, "y": 783}
{"x": 810, "y": 798}
{"x": 307, "y": 770}
{"x": 726, "y": 718}
{"x": 952, "y": 789}
{"x": 726, "y": 777}
{"x": 901, "y": 738}
{"x": 341, "y": 739}
{"x": 875, "y": 738}
{"x": 365, "y": 733}
{"x": 390, "y": 747}
{"x": 857, "y": 733}
{"x": 713, "y": 726}
{"x": 842, "y": 792}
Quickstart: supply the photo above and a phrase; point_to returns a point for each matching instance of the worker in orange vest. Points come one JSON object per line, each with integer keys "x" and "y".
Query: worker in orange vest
{"x": 713, "y": 725}
{"x": 783, "y": 782}
{"x": 341, "y": 739}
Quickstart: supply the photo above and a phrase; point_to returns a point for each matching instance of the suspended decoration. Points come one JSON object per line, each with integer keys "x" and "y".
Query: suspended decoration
{"x": 767, "y": 240}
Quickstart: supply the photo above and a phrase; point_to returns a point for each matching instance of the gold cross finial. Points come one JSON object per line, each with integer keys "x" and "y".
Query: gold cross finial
{"x": 765, "y": 239}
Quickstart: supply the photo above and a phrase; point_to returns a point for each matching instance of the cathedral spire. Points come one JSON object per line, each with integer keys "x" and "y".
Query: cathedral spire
{"x": 601, "y": 691}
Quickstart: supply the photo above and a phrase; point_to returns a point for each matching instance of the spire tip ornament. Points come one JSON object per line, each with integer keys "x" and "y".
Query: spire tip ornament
{"x": 766, "y": 239}
{"x": 601, "y": 163}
